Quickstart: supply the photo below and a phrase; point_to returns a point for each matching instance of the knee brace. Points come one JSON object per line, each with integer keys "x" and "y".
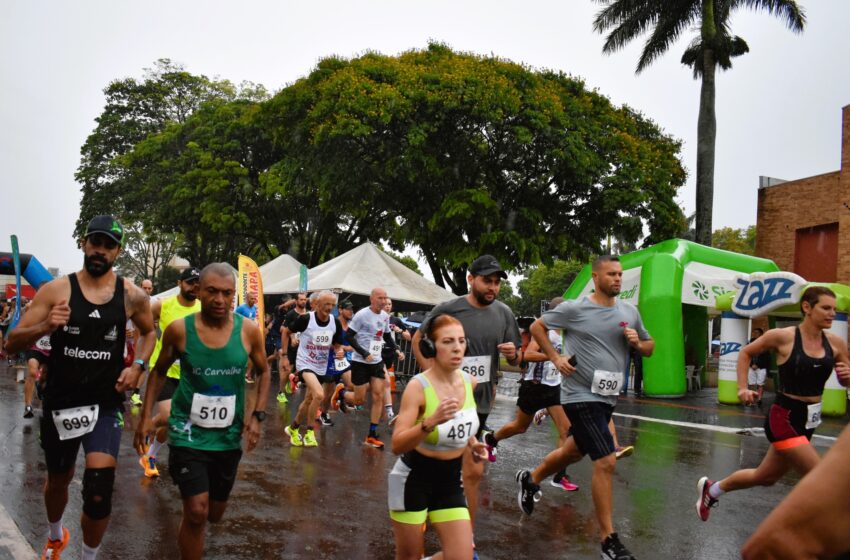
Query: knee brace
{"x": 97, "y": 492}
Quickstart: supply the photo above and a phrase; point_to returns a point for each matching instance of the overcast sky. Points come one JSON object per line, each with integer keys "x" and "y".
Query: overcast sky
{"x": 778, "y": 109}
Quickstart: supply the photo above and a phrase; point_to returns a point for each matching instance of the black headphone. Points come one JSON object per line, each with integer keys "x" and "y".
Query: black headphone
{"x": 426, "y": 345}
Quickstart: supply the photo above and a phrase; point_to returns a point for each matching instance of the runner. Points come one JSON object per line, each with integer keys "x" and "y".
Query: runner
{"x": 491, "y": 331}
{"x": 540, "y": 390}
{"x": 599, "y": 329}
{"x": 759, "y": 365}
{"x": 249, "y": 311}
{"x": 130, "y": 352}
{"x": 368, "y": 331}
{"x": 37, "y": 358}
{"x": 343, "y": 367}
{"x": 85, "y": 313}
{"x": 207, "y": 414}
{"x": 806, "y": 355}
{"x": 436, "y": 425}
{"x": 165, "y": 312}
{"x": 286, "y": 376}
{"x": 320, "y": 332}
{"x": 273, "y": 343}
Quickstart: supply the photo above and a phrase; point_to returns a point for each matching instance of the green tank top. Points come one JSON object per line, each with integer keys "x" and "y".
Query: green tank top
{"x": 208, "y": 406}
{"x": 456, "y": 432}
{"x": 170, "y": 311}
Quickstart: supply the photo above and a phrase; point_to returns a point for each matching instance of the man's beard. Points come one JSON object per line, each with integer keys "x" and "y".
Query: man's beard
{"x": 188, "y": 296}
{"x": 481, "y": 298}
{"x": 96, "y": 265}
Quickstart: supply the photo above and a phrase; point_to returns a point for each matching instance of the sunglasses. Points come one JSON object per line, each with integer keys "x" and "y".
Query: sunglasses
{"x": 101, "y": 240}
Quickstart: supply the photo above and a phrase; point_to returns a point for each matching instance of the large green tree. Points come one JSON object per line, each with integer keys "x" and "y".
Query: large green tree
{"x": 737, "y": 240}
{"x": 715, "y": 46}
{"x": 459, "y": 155}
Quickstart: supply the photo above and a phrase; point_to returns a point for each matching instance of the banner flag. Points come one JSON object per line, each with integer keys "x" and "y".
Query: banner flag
{"x": 251, "y": 282}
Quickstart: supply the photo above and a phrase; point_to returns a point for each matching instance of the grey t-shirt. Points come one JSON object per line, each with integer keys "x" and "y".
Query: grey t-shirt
{"x": 485, "y": 328}
{"x": 594, "y": 333}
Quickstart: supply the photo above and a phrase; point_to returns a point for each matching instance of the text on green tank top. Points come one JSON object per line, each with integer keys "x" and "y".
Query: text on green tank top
{"x": 455, "y": 432}
{"x": 208, "y": 378}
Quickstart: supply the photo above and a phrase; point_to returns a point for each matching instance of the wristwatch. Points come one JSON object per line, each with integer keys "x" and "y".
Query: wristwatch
{"x": 140, "y": 363}
{"x": 260, "y": 415}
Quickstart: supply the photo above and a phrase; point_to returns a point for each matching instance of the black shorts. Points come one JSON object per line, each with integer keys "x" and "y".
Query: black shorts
{"x": 272, "y": 345}
{"x": 292, "y": 354}
{"x": 534, "y": 396}
{"x": 785, "y": 424}
{"x": 196, "y": 471}
{"x": 589, "y": 428}
{"x": 322, "y": 378}
{"x": 422, "y": 484}
{"x": 168, "y": 389}
{"x": 390, "y": 359}
{"x": 61, "y": 456}
{"x": 362, "y": 373}
{"x": 36, "y": 355}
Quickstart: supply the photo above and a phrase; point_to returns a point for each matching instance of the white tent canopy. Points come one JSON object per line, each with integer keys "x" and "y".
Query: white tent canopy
{"x": 273, "y": 271}
{"x": 362, "y": 269}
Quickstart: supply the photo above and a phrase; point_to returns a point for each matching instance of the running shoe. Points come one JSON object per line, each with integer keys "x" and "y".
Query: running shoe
{"x": 623, "y": 452}
{"x": 491, "y": 443}
{"x": 53, "y": 549}
{"x": 540, "y": 416}
{"x": 149, "y": 464}
{"x": 28, "y": 412}
{"x": 337, "y": 403}
{"x": 249, "y": 379}
{"x": 136, "y": 400}
{"x": 705, "y": 501}
{"x": 325, "y": 419}
{"x": 527, "y": 492}
{"x": 374, "y": 441}
{"x": 281, "y": 398}
{"x": 390, "y": 416}
{"x": 310, "y": 439}
{"x": 293, "y": 384}
{"x": 294, "y": 436}
{"x": 564, "y": 483}
{"x": 613, "y": 549}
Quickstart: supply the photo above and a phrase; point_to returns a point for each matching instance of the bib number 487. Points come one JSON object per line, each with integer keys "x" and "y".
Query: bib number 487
{"x": 460, "y": 431}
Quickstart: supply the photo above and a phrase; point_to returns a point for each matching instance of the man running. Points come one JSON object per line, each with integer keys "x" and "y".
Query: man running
{"x": 805, "y": 355}
{"x": 392, "y": 358}
{"x": 130, "y": 353}
{"x": 165, "y": 312}
{"x": 37, "y": 358}
{"x": 286, "y": 377}
{"x": 249, "y": 311}
{"x": 599, "y": 329}
{"x": 85, "y": 313}
{"x": 759, "y": 365}
{"x": 491, "y": 331}
{"x": 342, "y": 367}
{"x": 207, "y": 413}
{"x": 320, "y": 337}
{"x": 368, "y": 331}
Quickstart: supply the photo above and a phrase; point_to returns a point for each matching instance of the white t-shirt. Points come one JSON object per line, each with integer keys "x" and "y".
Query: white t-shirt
{"x": 370, "y": 328}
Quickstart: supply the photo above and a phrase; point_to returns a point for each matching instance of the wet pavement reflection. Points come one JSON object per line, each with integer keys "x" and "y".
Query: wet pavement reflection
{"x": 330, "y": 501}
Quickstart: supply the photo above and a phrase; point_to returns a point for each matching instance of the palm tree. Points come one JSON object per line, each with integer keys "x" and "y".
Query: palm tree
{"x": 715, "y": 46}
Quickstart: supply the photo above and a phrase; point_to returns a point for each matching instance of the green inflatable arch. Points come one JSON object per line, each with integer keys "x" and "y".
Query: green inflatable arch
{"x": 674, "y": 284}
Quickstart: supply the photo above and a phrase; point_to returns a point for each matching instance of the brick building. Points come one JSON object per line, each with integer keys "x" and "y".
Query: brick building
{"x": 804, "y": 225}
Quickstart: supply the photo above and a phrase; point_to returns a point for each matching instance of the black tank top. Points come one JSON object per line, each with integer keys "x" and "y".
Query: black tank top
{"x": 803, "y": 375}
{"x": 87, "y": 354}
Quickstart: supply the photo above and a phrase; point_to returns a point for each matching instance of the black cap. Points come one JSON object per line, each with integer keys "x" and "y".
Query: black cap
{"x": 346, "y": 304}
{"x": 485, "y": 265}
{"x": 190, "y": 273}
{"x": 107, "y": 225}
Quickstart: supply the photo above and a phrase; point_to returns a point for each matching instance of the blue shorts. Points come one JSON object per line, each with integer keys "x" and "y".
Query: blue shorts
{"x": 61, "y": 456}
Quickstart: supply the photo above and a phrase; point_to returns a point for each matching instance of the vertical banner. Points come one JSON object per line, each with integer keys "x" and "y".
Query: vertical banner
{"x": 16, "y": 258}
{"x": 251, "y": 282}
{"x": 302, "y": 278}
{"x": 734, "y": 331}
{"x": 834, "y": 394}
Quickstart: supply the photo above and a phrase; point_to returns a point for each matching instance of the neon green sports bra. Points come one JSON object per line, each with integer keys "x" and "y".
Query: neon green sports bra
{"x": 456, "y": 432}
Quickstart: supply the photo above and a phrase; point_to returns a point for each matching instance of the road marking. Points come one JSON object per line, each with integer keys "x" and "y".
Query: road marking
{"x": 707, "y": 427}
{"x": 12, "y": 542}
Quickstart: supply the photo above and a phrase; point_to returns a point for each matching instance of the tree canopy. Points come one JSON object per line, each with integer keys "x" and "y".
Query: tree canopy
{"x": 452, "y": 154}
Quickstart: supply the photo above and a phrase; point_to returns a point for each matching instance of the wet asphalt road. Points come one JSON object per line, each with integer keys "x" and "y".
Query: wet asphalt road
{"x": 330, "y": 501}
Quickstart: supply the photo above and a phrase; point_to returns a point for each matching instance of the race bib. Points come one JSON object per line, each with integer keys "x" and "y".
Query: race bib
{"x": 75, "y": 422}
{"x": 375, "y": 347}
{"x": 43, "y": 343}
{"x": 477, "y": 367}
{"x": 457, "y": 431}
{"x": 606, "y": 383}
{"x": 551, "y": 373}
{"x": 322, "y": 338}
{"x": 341, "y": 364}
{"x": 212, "y": 412}
{"x": 813, "y": 416}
